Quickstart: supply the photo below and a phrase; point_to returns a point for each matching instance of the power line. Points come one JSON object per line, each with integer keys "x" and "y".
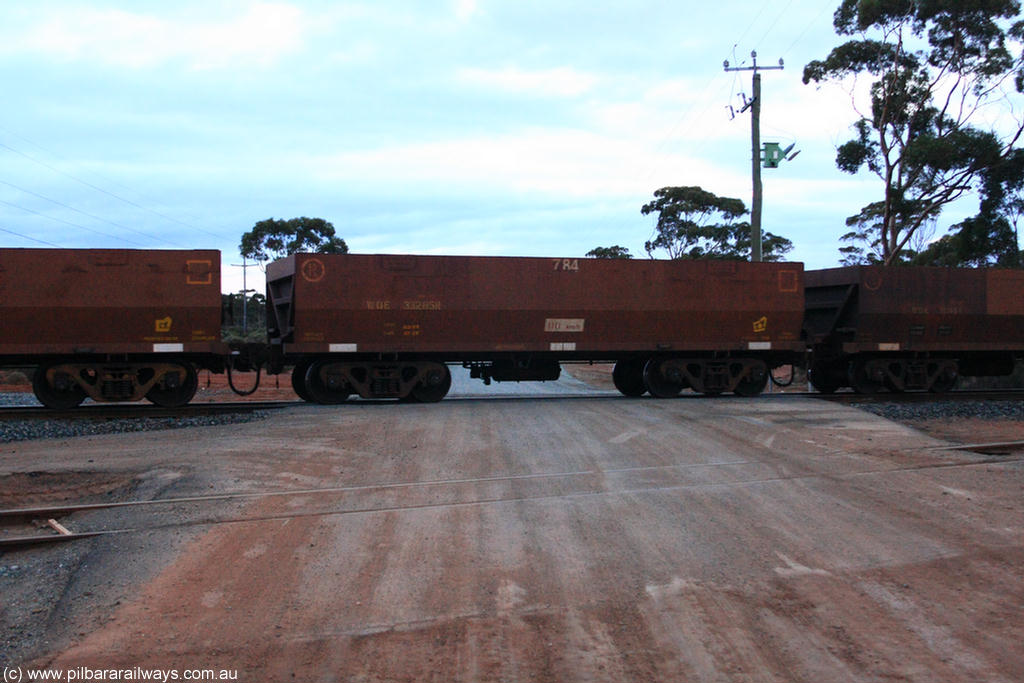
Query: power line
{"x": 85, "y": 213}
{"x": 106, "y": 192}
{"x": 98, "y": 175}
{"x": 752, "y": 22}
{"x": 74, "y": 225}
{"x": 807, "y": 28}
{"x": 685, "y": 116}
{"x": 772, "y": 26}
{"x": 30, "y": 239}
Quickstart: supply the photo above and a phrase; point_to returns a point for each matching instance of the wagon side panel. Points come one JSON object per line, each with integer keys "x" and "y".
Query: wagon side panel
{"x": 68, "y": 301}
{"x": 467, "y": 305}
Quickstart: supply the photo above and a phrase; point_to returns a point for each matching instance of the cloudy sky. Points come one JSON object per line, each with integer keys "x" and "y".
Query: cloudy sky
{"x": 497, "y": 127}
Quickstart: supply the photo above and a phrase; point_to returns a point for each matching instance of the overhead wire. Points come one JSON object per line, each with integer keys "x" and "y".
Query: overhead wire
{"x": 53, "y": 154}
{"x": 30, "y": 239}
{"x": 751, "y": 24}
{"x": 807, "y": 28}
{"x": 686, "y": 115}
{"x": 683, "y": 117}
{"x": 61, "y": 220}
{"x": 86, "y": 213}
{"x": 106, "y": 192}
{"x": 800, "y": 36}
{"x": 771, "y": 26}
{"x": 790, "y": 135}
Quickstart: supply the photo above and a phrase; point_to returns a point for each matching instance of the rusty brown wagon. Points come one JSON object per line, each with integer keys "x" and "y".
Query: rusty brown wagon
{"x": 389, "y": 325}
{"x": 111, "y": 324}
{"x": 907, "y": 328}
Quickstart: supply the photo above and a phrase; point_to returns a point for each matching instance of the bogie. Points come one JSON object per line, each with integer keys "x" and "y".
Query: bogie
{"x": 329, "y": 381}
{"x": 65, "y": 384}
{"x": 175, "y": 387}
{"x": 667, "y": 377}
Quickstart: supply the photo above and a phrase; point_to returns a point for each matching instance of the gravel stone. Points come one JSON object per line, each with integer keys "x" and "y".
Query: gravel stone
{"x": 63, "y": 428}
{"x": 23, "y": 398}
{"x": 937, "y": 410}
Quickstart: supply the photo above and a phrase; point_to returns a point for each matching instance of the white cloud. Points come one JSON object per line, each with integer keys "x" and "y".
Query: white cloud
{"x": 554, "y": 82}
{"x": 465, "y": 9}
{"x": 260, "y": 34}
{"x": 554, "y": 162}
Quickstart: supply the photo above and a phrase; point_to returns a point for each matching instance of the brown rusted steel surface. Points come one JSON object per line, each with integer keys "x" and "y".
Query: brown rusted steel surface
{"x": 462, "y": 305}
{"x": 74, "y": 301}
{"x": 921, "y": 309}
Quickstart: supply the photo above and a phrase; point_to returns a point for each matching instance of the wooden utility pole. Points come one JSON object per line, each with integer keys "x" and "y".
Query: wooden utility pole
{"x": 755, "y": 149}
{"x": 245, "y": 265}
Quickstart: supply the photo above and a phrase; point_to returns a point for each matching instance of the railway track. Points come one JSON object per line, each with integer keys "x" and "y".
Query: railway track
{"x": 140, "y": 410}
{"x": 105, "y": 411}
{"x": 26, "y": 527}
{"x": 910, "y": 397}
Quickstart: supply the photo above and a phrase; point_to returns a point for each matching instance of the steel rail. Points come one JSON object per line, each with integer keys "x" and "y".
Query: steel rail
{"x": 919, "y": 396}
{"x": 112, "y": 411}
{"x": 105, "y": 411}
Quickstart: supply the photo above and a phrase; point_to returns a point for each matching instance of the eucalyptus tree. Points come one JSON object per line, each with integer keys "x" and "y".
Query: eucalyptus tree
{"x": 275, "y": 238}
{"x": 940, "y": 115}
{"x": 696, "y": 224}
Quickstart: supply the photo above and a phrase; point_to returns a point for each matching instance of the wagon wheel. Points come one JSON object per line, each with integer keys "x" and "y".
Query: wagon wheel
{"x": 328, "y": 392}
{"x": 628, "y": 376}
{"x": 64, "y": 394}
{"x": 434, "y": 386}
{"x": 861, "y": 381}
{"x": 299, "y": 380}
{"x": 946, "y": 381}
{"x": 822, "y": 380}
{"x": 658, "y": 384}
{"x": 176, "y": 392}
{"x": 752, "y": 384}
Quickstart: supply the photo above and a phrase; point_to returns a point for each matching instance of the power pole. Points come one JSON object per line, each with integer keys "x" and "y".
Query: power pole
{"x": 244, "y": 265}
{"x": 755, "y": 150}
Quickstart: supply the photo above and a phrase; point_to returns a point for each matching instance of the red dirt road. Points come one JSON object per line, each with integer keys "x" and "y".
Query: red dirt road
{"x": 563, "y": 539}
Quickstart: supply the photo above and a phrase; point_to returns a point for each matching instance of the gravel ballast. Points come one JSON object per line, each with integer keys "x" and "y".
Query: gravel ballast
{"x": 63, "y": 428}
{"x": 937, "y": 410}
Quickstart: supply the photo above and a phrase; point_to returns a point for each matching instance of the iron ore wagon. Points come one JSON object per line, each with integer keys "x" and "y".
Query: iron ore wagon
{"x": 111, "y": 324}
{"x": 388, "y": 326}
{"x": 903, "y": 328}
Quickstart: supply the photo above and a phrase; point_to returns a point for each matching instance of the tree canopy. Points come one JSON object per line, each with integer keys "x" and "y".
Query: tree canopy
{"x": 696, "y": 224}
{"x": 932, "y": 65}
{"x": 614, "y": 251}
{"x": 991, "y": 237}
{"x": 275, "y": 238}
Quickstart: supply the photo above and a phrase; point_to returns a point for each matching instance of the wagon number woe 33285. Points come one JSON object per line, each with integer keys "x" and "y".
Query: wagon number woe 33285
{"x": 571, "y": 264}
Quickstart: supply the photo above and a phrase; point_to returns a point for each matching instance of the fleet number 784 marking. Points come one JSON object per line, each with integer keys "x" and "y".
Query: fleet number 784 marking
{"x": 572, "y": 264}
